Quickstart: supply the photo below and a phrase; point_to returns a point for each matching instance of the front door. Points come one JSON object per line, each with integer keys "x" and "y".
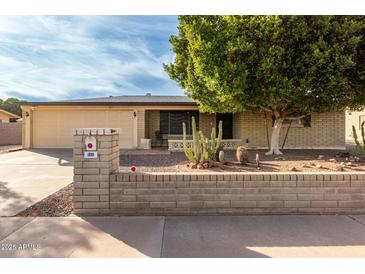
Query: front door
{"x": 226, "y": 119}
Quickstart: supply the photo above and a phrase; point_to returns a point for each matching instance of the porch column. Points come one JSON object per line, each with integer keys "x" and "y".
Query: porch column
{"x": 27, "y": 128}
{"x": 139, "y": 127}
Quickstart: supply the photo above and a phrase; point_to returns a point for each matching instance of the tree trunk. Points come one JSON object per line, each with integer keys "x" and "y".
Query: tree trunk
{"x": 274, "y": 146}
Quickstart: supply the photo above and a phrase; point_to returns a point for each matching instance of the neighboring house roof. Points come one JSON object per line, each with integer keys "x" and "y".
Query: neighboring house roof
{"x": 12, "y": 115}
{"x": 122, "y": 100}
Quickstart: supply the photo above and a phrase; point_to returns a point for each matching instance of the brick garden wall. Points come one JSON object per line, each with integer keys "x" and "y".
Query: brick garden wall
{"x": 10, "y": 133}
{"x": 269, "y": 193}
{"x": 100, "y": 189}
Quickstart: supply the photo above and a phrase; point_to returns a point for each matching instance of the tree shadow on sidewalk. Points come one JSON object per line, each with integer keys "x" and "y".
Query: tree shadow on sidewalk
{"x": 12, "y": 202}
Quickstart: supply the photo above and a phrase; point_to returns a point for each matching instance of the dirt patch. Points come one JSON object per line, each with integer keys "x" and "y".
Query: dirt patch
{"x": 58, "y": 204}
{"x": 292, "y": 160}
{"x": 276, "y": 166}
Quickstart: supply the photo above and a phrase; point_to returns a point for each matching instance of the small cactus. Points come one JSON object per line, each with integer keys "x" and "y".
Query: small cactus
{"x": 360, "y": 147}
{"x": 221, "y": 157}
{"x": 242, "y": 155}
{"x": 220, "y": 148}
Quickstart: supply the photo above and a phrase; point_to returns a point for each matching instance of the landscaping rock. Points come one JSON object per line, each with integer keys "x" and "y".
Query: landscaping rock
{"x": 213, "y": 163}
{"x": 339, "y": 168}
{"x": 318, "y": 166}
{"x": 333, "y": 160}
{"x": 342, "y": 154}
{"x": 320, "y": 157}
{"x": 279, "y": 158}
{"x": 310, "y": 165}
{"x": 292, "y": 169}
{"x": 242, "y": 155}
{"x": 221, "y": 157}
{"x": 199, "y": 166}
{"x": 257, "y": 160}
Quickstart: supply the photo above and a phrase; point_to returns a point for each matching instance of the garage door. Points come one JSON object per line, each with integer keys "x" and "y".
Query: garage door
{"x": 53, "y": 128}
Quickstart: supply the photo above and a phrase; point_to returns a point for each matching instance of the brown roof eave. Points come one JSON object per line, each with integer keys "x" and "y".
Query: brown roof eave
{"x": 109, "y": 104}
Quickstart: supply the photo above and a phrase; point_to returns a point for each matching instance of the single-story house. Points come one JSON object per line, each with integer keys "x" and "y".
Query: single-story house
{"x": 5, "y": 116}
{"x": 159, "y": 119}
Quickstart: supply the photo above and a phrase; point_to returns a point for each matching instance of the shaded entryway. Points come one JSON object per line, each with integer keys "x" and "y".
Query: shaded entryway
{"x": 227, "y": 122}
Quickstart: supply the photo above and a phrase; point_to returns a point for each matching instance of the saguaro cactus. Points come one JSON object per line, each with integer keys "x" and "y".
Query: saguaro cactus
{"x": 192, "y": 153}
{"x": 202, "y": 148}
{"x": 215, "y": 142}
{"x": 360, "y": 148}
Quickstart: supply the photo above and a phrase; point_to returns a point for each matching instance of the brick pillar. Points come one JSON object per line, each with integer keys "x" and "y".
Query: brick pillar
{"x": 91, "y": 176}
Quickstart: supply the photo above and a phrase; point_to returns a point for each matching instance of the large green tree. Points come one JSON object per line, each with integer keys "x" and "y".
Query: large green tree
{"x": 286, "y": 66}
{"x": 11, "y": 105}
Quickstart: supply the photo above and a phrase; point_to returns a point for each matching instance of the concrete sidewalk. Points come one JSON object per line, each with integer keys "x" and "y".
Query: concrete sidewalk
{"x": 30, "y": 176}
{"x": 204, "y": 236}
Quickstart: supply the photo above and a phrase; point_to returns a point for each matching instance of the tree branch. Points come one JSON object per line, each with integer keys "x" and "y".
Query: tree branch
{"x": 266, "y": 109}
{"x": 296, "y": 117}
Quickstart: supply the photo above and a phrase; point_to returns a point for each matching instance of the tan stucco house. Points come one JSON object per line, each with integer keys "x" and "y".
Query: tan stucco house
{"x": 159, "y": 119}
{"x": 5, "y": 116}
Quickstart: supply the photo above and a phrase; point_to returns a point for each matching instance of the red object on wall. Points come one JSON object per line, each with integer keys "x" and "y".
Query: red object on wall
{"x": 133, "y": 168}
{"x": 89, "y": 145}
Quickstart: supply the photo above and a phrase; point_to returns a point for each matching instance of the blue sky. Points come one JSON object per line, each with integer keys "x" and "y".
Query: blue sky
{"x": 46, "y": 58}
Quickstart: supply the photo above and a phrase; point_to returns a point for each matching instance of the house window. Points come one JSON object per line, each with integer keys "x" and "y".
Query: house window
{"x": 171, "y": 121}
{"x": 302, "y": 122}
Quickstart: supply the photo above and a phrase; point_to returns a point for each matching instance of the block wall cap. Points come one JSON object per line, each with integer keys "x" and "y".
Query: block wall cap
{"x": 95, "y": 131}
{"x": 246, "y": 173}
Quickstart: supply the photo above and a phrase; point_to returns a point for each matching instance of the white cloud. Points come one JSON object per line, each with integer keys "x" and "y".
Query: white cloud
{"x": 54, "y": 58}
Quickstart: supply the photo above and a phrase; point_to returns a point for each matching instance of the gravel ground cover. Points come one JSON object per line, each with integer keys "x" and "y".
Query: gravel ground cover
{"x": 292, "y": 160}
{"x": 58, "y": 204}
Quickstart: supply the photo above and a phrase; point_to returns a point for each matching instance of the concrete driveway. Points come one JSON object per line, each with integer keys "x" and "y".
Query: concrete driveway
{"x": 182, "y": 236}
{"x": 27, "y": 177}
